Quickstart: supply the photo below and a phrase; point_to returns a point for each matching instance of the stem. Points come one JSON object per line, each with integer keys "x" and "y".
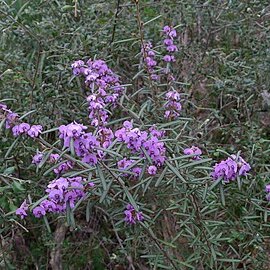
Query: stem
{"x": 140, "y": 25}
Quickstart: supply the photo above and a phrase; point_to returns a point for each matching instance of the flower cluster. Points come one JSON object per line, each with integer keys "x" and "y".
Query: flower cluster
{"x": 146, "y": 143}
{"x": 194, "y": 150}
{"x": 18, "y": 128}
{"x": 149, "y": 58}
{"x": 61, "y": 193}
{"x": 104, "y": 86}
{"x": 86, "y": 145}
{"x": 125, "y": 163}
{"x": 173, "y": 105}
{"x": 230, "y": 168}
{"x": 170, "y": 34}
{"x": 132, "y": 216}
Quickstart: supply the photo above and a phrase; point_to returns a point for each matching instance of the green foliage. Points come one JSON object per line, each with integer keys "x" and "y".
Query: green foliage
{"x": 222, "y": 69}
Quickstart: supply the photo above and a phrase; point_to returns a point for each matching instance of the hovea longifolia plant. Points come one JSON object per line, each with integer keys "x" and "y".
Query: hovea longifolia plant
{"x": 130, "y": 163}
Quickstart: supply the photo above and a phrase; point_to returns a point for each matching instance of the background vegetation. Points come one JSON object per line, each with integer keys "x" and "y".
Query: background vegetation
{"x": 222, "y": 69}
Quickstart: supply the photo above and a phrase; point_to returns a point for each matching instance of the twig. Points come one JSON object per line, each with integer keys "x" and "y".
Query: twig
{"x": 115, "y": 20}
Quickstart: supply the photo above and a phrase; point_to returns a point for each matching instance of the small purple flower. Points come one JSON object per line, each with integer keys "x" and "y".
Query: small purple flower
{"x": 169, "y": 58}
{"x": 34, "y": 131}
{"x": 39, "y": 212}
{"x": 168, "y": 42}
{"x": 267, "y": 188}
{"x": 22, "y": 210}
{"x": 77, "y": 67}
{"x": 91, "y": 184}
{"x": 3, "y": 107}
{"x": 90, "y": 159}
{"x": 70, "y": 196}
{"x": 56, "y": 195}
{"x": 64, "y": 167}
{"x": 54, "y": 158}
{"x": 20, "y": 129}
{"x": 194, "y": 150}
{"x": 131, "y": 216}
{"x": 173, "y": 105}
{"x": 166, "y": 29}
{"x": 37, "y": 158}
{"x": 138, "y": 171}
{"x": 48, "y": 205}
{"x": 11, "y": 119}
{"x": 152, "y": 170}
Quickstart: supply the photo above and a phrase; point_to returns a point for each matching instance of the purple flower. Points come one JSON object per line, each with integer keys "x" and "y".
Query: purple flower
{"x": 91, "y": 184}
{"x": 135, "y": 139}
{"x": 173, "y": 105}
{"x": 104, "y": 85}
{"x": 154, "y": 77}
{"x": 172, "y": 48}
{"x": 56, "y": 195}
{"x": 62, "y": 191}
{"x": 37, "y": 158}
{"x": 168, "y": 42}
{"x": 34, "y": 131}
{"x": 20, "y": 129}
{"x": 138, "y": 171}
{"x": 77, "y": 67}
{"x": 64, "y": 167}
{"x": 3, "y": 107}
{"x": 267, "y": 188}
{"x": 39, "y": 212}
{"x": 166, "y": 29}
{"x": 22, "y": 210}
{"x": 152, "y": 170}
{"x": 131, "y": 216}
{"x": 91, "y": 159}
{"x": 70, "y": 196}
{"x": 105, "y": 136}
{"x": 230, "y": 168}
{"x": 11, "y": 119}
{"x": 54, "y": 158}
{"x": 62, "y": 183}
{"x": 48, "y": 205}
{"x": 193, "y": 151}
{"x": 169, "y": 58}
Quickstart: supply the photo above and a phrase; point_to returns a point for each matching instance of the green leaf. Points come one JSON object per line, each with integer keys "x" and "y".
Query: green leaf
{"x": 102, "y": 178}
{"x": 47, "y": 224}
{"x": 11, "y": 147}
{"x": 17, "y": 187}
{"x": 216, "y": 182}
{"x": 175, "y": 171}
{"x": 160, "y": 178}
{"x": 26, "y": 114}
{"x": 222, "y": 196}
